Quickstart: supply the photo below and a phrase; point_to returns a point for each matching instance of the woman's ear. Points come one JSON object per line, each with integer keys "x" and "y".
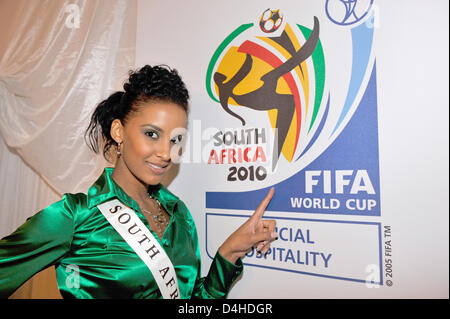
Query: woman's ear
{"x": 117, "y": 131}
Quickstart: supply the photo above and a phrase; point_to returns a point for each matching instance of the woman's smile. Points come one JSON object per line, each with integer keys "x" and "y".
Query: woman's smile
{"x": 158, "y": 169}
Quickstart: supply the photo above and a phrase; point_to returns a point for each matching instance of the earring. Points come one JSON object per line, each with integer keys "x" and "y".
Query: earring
{"x": 118, "y": 149}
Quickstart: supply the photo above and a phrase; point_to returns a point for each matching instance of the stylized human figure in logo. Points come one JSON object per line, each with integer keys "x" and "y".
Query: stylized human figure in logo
{"x": 266, "y": 98}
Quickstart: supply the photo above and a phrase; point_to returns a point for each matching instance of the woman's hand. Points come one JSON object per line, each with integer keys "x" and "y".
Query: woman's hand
{"x": 254, "y": 233}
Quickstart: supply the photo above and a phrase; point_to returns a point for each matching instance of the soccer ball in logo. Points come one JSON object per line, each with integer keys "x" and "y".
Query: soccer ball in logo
{"x": 270, "y": 20}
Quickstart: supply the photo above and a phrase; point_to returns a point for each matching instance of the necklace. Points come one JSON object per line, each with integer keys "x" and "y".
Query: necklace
{"x": 160, "y": 218}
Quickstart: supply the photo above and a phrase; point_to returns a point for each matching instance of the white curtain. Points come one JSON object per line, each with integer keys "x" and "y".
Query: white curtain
{"x": 58, "y": 60}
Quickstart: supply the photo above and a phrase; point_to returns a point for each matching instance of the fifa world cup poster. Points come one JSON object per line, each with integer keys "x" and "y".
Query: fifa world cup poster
{"x": 314, "y": 142}
{"x": 284, "y": 94}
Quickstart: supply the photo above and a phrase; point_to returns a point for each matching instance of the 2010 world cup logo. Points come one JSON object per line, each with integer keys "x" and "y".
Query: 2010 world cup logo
{"x": 305, "y": 95}
{"x": 280, "y": 71}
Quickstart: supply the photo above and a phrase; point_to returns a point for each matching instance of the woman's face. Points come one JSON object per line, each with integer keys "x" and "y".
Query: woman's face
{"x": 149, "y": 136}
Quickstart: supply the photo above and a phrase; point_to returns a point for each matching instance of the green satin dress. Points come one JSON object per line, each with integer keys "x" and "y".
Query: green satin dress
{"x": 93, "y": 261}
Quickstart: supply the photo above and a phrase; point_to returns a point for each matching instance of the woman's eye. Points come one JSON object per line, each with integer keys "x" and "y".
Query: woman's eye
{"x": 151, "y": 134}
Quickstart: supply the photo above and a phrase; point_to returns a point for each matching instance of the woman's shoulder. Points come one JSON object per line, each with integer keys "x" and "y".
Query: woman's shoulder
{"x": 67, "y": 205}
{"x": 75, "y": 202}
{"x": 57, "y": 217}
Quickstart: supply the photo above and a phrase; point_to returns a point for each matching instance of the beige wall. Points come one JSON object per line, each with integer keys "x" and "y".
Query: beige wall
{"x": 43, "y": 285}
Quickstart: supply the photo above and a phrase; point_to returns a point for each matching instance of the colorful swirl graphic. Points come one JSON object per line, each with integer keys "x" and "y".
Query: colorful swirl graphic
{"x": 283, "y": 75}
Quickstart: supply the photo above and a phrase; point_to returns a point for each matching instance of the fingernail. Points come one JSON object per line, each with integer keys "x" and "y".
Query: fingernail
{"x": 274, "y": 235}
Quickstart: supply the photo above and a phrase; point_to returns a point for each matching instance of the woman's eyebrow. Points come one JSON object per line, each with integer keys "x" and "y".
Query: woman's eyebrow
{"x": 156, "y": 128}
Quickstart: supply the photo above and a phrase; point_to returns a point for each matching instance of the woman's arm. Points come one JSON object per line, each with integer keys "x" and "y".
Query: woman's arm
{"x": 37, "y": 244}
{"x": 227, "y": 264}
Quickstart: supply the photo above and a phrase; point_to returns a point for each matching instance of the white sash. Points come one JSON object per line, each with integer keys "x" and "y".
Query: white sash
{"x": 141, "y": 240}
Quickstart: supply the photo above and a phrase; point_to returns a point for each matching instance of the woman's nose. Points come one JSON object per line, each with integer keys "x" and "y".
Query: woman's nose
{"x": 163, "y": 151}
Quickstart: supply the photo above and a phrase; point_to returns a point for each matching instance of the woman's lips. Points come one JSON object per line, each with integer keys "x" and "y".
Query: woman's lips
{"x": 157, "y": 169}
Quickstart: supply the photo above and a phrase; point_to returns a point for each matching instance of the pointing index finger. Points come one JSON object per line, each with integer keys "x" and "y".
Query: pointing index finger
{"x": 259, "y": 212}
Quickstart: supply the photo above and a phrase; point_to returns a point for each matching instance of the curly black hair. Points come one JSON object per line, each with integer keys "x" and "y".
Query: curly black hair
{"x": 157, "y": 83}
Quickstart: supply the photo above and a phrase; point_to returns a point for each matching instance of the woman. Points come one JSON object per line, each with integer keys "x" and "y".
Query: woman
{"x": 115, "y": 251}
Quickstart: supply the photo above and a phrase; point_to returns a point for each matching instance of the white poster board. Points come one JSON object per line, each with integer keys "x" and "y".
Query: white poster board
{"x": 359, "y": 159}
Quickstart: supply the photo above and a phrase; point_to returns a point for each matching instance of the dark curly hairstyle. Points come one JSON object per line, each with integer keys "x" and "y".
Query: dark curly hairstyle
{"x": 157, "y": 83}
